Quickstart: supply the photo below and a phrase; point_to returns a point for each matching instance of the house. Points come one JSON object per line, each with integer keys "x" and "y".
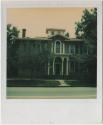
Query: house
{"x": 62, "y": 49}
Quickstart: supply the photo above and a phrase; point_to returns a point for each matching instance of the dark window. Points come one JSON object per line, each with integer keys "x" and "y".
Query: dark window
{"x": 72, "y": 49}
{"x": 57, "y": 47}
{"x": 34, "y": 45}
{"x": 81, "y": 49}
{"x": 67, "y": 48}
{"x": 72, "y": 66}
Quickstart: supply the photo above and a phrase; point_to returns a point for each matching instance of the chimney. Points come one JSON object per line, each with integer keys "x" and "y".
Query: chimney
{"x": 23, "y": 33}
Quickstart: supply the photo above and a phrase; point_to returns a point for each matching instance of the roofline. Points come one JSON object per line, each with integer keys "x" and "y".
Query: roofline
{"x": 79, "y": 40}
{"x": 33, "y": 39}
{"x": 49, "y": 39}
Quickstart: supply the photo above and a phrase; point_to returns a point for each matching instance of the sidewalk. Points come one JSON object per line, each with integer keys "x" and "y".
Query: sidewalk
{"x": 62, "y": 83}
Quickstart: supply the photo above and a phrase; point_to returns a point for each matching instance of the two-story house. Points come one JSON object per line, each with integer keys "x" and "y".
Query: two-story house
{"x": 63, "y": 49}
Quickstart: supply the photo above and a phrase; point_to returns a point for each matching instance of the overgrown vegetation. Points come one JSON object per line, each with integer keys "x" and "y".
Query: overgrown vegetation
{"x": 12, "y": 34}
{"x": 86, "y": 29}
{"x": 33, "y": 83}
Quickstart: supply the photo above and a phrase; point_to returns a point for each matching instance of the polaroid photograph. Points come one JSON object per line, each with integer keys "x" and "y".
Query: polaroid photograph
{"x": 57, "y": 62}
{"x": 51, "y": 62}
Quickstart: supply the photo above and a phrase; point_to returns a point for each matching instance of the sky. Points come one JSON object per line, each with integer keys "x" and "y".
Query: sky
{"x": 36, "y": 20}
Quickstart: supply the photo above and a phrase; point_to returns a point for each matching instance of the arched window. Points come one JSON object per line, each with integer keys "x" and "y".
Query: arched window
{"x": 58, "y": 47}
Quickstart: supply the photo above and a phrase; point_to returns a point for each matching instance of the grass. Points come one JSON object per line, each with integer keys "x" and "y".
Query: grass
{"x": 51, "y": 92}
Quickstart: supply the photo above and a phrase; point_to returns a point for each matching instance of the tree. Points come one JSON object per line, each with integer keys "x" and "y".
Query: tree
{"x": 67, "y": 34}
{"x": 12, "y": 34}
{"x": 86, "y": 29}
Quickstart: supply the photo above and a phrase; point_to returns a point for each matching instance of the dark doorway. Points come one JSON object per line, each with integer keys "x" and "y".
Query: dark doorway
{"x": 58, "y": 65}
{"x": 57, "y": 69}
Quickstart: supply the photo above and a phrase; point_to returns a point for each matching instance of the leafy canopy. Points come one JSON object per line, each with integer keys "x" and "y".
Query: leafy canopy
{"x": 86, "y": 29}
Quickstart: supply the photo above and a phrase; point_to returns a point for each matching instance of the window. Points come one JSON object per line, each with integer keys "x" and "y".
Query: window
{"x": 85, "y": 50}
{"x": 37, "y": 48}
{"x": 34, "y": 45}
{"x": 72, "y": 66}
{"x": 46, "y": 45}
{"x": 57, "y": 47}
{"x": 67, "y": 48}
{"x": 72, "y": 49}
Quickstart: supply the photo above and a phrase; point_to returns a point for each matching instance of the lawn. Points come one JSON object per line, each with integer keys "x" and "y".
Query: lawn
{"x": 51, "y": 92}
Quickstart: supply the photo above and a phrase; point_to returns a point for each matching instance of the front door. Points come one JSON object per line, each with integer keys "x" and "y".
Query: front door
{"x": 58, "y": 64}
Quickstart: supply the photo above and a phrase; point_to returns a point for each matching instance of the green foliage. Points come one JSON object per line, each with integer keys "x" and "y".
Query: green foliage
{"x": 88, "y": 25}
{"x": 67, "y": 34}
{"x": 86, "y": 29}
{"x": 12, "y": 33}
{"x": 33, "y": 83}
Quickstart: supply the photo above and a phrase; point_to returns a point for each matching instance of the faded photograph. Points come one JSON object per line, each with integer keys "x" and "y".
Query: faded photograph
{"x": 51, "y": 53}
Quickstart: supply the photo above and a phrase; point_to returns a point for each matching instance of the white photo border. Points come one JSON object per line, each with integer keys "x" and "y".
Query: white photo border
{"x": 52, "y": 110}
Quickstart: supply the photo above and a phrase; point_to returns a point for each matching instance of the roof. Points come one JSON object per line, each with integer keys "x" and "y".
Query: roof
{"x": 54, "y": 29}
{"x": 36, "y": 38}
{"x": 74, "y": 40}
{"x": 67, "y": 39}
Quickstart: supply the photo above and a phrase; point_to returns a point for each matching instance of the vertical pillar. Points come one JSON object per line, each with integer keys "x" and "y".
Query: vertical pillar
{"x": 62, "y": 66}
{"x": 54, "y": 47}
{"x": 63, "y": 48}
{"x": 69, "y": 49}
{"x": 60, "y": 47}
{"x": 53, "y": 67}
{"x": 67, "y": 67}
{"x": 51, "y": 47}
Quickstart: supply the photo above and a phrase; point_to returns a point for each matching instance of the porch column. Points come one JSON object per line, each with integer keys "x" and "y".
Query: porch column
{"x": 63, "y": 48}
{"x": 51, "y": 47}
{"x": 62, "y": 66}
{"x": 67, "y": 67}
{"x": 48, "y": 68}
{"x": 53, "y": 67}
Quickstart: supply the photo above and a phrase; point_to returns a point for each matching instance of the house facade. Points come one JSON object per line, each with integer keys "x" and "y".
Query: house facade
{"x": 61, "y": 57}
